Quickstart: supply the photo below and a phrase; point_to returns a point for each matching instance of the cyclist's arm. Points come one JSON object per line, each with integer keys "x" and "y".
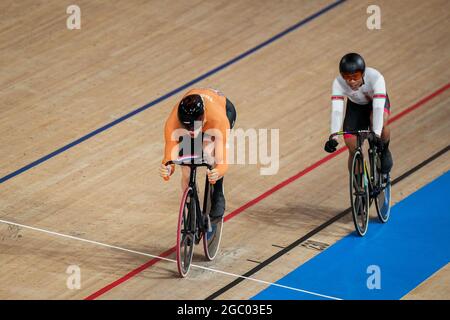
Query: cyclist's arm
{"x": 220, "y": 147}
{"x": 337, "y": 107}
{"x": 379, "y": 100}
{"x": 171, "y": 145}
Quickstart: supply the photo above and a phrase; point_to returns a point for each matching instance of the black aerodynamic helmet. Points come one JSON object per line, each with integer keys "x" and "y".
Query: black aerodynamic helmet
{"x": 191, "y": 109}
{"x": 352, "y": 63}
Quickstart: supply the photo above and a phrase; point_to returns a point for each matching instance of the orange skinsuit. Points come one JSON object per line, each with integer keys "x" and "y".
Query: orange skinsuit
{"x": 215, "y": 117}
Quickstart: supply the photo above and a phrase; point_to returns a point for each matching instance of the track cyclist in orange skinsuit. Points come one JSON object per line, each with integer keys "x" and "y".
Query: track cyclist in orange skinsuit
{"x": 204, "y": 114}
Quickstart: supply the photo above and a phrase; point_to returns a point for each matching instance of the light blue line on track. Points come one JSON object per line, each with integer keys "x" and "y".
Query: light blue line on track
{"x": 414, "y": 244}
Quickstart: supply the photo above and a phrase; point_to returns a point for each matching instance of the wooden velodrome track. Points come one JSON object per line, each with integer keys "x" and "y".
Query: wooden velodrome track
{"x": 59, "y": 85}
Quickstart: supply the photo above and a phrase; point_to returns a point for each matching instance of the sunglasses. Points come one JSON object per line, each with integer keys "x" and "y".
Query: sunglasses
{"x": 352, "y": 76}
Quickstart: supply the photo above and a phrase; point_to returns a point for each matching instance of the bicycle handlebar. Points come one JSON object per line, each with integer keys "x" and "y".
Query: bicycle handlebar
{"x": 190, "y": 161}
{"x": 361, "y": 133}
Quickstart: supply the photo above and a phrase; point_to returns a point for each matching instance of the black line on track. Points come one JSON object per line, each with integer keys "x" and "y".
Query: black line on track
{"x": 318, "y": 229}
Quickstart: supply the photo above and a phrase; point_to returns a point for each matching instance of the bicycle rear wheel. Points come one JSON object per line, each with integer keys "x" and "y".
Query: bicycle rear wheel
{"x": 381, "y": 186}
{"x": 383, "y": 201}
{"x": 186, "y": 232}
{"x": 359, "y": 194}
{"x": 212, "y": 237}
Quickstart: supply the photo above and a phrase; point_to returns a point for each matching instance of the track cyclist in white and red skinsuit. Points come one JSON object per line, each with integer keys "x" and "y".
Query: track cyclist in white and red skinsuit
{"x": 367, "y": 107}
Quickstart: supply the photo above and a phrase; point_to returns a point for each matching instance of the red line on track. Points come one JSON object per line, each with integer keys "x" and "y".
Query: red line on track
{"x": 420, "y": 103}
{"x": 130, "y": 275}
{"x": 264, "y": 195}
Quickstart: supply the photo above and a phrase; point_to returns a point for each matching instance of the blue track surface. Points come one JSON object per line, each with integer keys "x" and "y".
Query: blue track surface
{"x": 414, "y": 244}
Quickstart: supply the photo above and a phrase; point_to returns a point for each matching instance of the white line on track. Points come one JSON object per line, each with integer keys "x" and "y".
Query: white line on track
{"x": 165, "y": 259}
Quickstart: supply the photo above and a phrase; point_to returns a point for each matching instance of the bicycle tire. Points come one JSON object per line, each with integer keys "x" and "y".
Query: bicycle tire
{"x": 383, "y": 201}
{"x": 186, "y": 232}
{"x": 359, "y": 194}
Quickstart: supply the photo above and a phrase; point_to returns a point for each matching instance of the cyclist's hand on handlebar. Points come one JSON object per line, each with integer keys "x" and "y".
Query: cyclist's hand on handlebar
{"x": 330, "y": 145}
{"x": 213, "y": 175}
{"x": 378, "y": 142}
{"x": 165, "y": 171}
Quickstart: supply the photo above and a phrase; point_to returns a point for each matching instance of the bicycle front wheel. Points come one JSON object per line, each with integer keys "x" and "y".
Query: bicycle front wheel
{"x": 186, "y": 232}
{"x": 359, "y": 194}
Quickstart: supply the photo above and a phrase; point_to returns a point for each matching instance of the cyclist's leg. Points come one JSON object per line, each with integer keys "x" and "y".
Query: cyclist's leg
{"x": 185, "y": 173}
{"x": 218, "y": 200}
{"x": 218, "y": 197}
{"x": 386, "y": 133}
{"x": 386, "y": 156}
{"x": 350, "y": 142}
{"x": 357, "y": 117}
